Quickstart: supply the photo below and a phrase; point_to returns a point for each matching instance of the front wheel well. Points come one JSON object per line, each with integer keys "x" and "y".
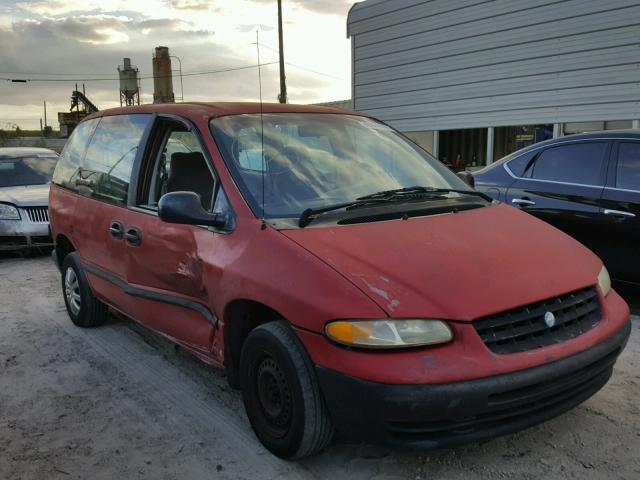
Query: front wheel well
{"x": 63, "y": 248}
{"x": 240, "y": 318}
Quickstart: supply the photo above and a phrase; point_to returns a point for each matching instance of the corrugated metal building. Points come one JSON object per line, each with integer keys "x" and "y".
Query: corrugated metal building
{"x": 493, "y": 75}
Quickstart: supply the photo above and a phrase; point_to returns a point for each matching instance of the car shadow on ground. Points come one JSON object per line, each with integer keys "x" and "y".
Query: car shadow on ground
{"x": 31, "y": 253}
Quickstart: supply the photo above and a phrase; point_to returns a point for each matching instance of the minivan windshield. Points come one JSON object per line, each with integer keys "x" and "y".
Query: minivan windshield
{"x": 32, "y": 170}
{"x": 312, "y": 160}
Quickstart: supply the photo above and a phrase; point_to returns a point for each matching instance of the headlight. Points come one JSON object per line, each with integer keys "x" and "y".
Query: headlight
{"x": 8, "y": 212}
{"x": 388, "y": 333}
{"x": 604, "y": 281}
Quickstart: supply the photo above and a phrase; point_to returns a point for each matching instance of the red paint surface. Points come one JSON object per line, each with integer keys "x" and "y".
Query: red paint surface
{"x": 455, "y": 266}
{"x": 458, "y": 266}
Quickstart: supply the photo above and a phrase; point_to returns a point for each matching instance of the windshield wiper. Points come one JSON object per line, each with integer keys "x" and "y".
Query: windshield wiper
{"x": 418, "y": 190}
{"x": 385, "y": 197}
{"x": 310, "y": 214}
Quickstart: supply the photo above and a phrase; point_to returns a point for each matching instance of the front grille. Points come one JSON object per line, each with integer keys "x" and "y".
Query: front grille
{"x": 544, "y": 399}
{"x": 525, "y": 329}
{"x": 38, "y": 214}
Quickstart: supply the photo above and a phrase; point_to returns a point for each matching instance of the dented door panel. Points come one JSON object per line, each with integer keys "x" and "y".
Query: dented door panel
{"x": 166, "y": 272}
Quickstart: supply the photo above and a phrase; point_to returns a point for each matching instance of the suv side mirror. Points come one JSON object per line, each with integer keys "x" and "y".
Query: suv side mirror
{"x": 467, "y": 178}
{"x": 186, "y": 208}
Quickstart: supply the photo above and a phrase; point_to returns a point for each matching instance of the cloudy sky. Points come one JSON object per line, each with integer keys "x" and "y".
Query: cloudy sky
{"x": 85, "y": 41}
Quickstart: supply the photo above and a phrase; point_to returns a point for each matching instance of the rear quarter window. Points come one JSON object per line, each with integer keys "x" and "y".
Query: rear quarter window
{"x": 72, "y": 155}
{"x": 519, "y": 165}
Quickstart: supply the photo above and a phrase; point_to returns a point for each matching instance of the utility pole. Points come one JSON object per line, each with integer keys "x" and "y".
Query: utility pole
{"x": 45, "y": 113}
{"x": 282, "y": 98}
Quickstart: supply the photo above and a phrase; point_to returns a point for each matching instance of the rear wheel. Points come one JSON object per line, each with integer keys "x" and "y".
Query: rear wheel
{"x": 281, "y": 394}
{"x": 84, "y": 309}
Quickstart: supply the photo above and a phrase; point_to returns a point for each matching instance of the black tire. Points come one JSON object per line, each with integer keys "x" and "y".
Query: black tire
{"x": 281, "y": 393}
{"x": 90, "y": 312}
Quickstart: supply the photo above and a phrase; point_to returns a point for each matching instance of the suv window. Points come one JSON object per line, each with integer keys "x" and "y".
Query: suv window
{"x": 72, "y": 154}
{"x": 106, "y": 170}
{"x": 628, "y": 172}
{"x": 573, "y": 163}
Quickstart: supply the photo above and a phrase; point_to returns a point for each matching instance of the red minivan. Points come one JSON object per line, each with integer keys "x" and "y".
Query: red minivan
{"x": 343, "y": 277}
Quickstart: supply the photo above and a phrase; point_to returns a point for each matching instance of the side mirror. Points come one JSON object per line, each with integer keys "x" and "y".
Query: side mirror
{"x": 186, "y": 208}
{"x": 467, "y": 178}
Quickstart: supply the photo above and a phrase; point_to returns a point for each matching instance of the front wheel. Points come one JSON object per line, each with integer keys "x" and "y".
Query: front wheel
{"x": 281, "y": 393}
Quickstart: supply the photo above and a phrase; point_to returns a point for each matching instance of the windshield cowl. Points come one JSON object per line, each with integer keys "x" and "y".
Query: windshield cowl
{"x": 380, "y": 213}
{"x": 388, "y": 198}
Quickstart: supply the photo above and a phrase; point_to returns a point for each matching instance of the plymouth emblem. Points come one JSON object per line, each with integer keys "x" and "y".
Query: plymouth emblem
{"x": 549, "y": 319}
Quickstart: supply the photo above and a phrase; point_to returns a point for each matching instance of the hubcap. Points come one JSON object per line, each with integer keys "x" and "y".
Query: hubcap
{"x": 275, "y": 396}
{"x": 72, "y": 290}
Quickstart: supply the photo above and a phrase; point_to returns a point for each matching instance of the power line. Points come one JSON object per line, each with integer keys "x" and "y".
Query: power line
{"x": 301, "y": 67}
{"x": 188, "y": 74}
{"x": 314, "y": 71}
{"x": 145, "y": 77}
{"x": 52, "y": 74}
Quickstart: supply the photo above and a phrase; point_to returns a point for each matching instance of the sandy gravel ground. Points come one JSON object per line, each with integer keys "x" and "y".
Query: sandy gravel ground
{"x": 119, "y": 403}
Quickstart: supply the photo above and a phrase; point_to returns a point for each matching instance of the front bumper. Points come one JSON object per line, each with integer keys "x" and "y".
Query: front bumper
{"x": 23, "y": 234}
{"x": 446, "y": 415}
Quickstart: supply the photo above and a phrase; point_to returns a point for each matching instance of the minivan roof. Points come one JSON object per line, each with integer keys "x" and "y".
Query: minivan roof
{"x": 218, "y": 109}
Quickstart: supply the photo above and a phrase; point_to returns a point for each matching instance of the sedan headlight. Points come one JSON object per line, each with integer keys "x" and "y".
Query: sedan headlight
{"x": 8, "y": 212}
{"x": 604, "y": 281}
{"x": 389, "y": 333}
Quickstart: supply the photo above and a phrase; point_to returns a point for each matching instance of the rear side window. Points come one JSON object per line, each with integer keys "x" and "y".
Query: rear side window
{"x": 628, "y": 173}
{"x": 106, "y": 170}
{"x": 69, "y": 164}
{"x": 573, "y": 163}
{"x": 520, "y": 165}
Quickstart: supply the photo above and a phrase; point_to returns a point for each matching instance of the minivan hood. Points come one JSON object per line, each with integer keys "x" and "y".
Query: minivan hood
{"x": 457, "y": 266}
{"x": 25, "y": 196}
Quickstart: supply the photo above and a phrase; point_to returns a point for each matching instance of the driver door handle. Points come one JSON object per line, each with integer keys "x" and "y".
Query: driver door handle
{"x": 523, "y": 202}
{"x": 618, "y": 213}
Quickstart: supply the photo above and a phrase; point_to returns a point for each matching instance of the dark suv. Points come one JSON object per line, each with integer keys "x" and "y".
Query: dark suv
{"x": 586, "y": 185}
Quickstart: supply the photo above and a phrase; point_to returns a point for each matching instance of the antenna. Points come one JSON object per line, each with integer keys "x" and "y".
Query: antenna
{"x": 264, "y": 225}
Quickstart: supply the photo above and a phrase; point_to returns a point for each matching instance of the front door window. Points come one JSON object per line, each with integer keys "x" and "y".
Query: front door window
{"x": 181, "y": 166}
